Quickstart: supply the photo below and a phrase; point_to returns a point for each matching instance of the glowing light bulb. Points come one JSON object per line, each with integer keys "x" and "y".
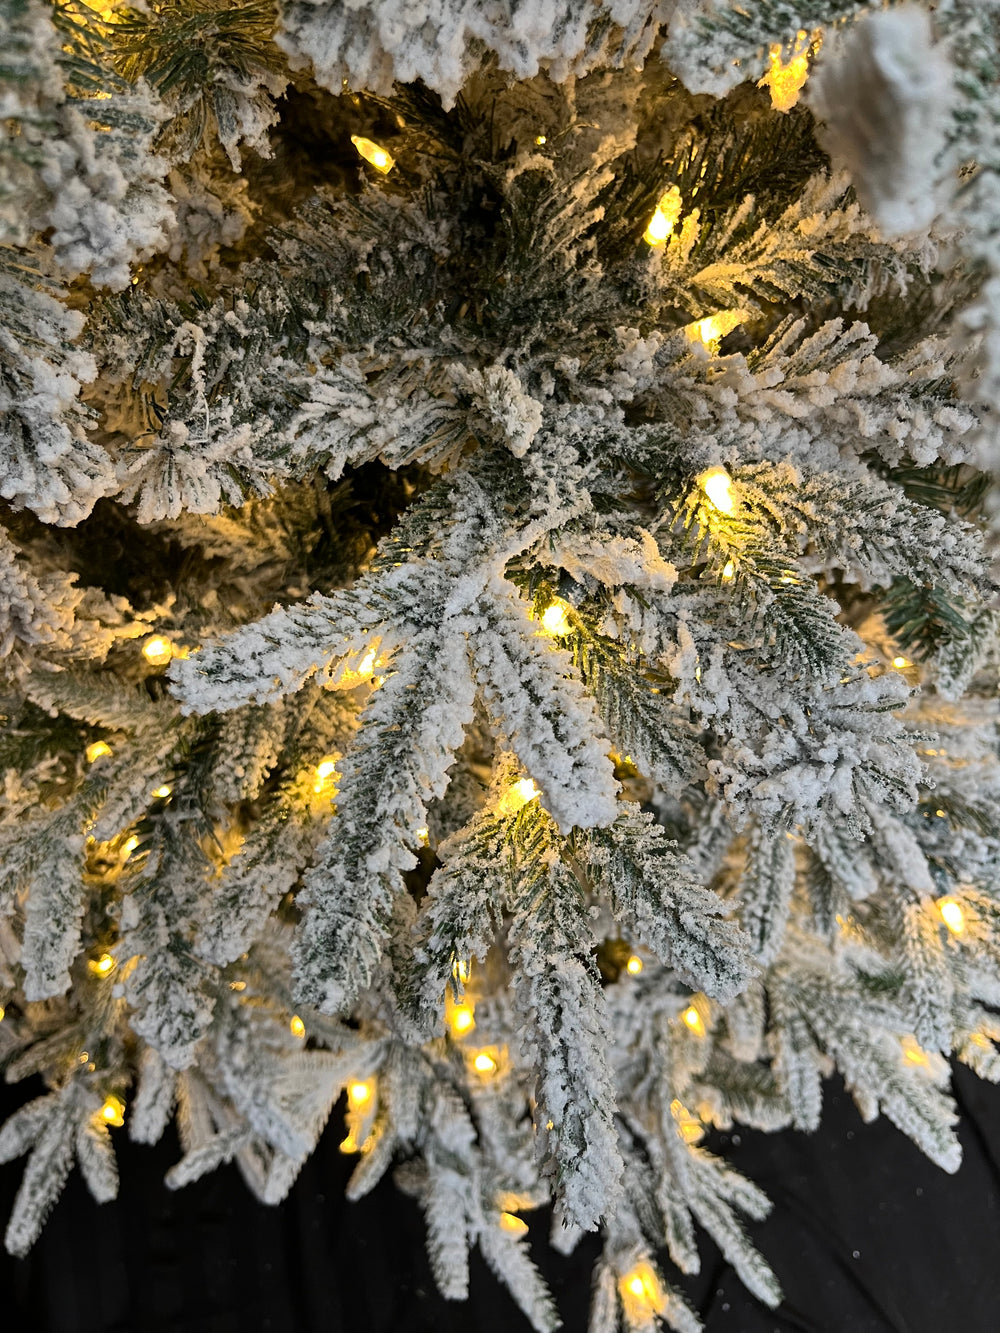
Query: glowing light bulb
{"x": 691, "y": 1128}
{"x": 539, "y": 139}
{"x": 913, "y": 1053}
{"x": 786, "y": 79}
{"x": 900, "y": 663}
{"x": 952, "y": 915}
{"x": 515, "y": 1225}
{"x": 423, "y": 836}
{"x": 375, "y": 155}
{"x": 517, "y": 795}
{"x": 693, "y": 1020}
{"x": 157, "y": 651}
{"x": 484, "y": 1064}
{"x": 97, "y": 751}
{"x": 102, "y": 966}
{"x": 367, "y": 663}
{"x": 555, "y": 620}
{"x": 665, "y": 217}
{"x": 113, "y": 1111}
{"x": 163, "y": 792}
{"x": 658, "y": 229}
{"x": 237, "y": 985}
{"x": 713, "y": 328}
{"x": 634, "y": 966}
{"x": 359, "y": 1094}
{"x": 461, "y": 1019}
{"x": 728, "y": 571}
{"x": 129, "y": 846}
{"x": 297, "y": 1027}
{"x": 642, "y": 1294}
{"x": 326, "y": 772}
{"x": 718, "y": 487}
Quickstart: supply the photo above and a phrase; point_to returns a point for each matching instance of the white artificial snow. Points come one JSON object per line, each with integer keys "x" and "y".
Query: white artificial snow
{"x": 508, "y": 413}
{"x": 882, "y": 90}
{"x": 439, "y": 41}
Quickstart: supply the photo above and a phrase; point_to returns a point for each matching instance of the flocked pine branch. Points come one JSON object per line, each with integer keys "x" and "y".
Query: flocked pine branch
{"x": 498, "y": 614}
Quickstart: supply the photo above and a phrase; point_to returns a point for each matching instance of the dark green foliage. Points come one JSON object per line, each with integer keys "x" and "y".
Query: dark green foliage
{"x": 636, "y": 712}
{"x": 182, "y": 46}
{"x": 925, "y": 620}
{"x": 652, "y": 889}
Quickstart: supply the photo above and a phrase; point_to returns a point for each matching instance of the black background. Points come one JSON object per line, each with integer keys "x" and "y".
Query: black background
{"x": 866, "y": 1236}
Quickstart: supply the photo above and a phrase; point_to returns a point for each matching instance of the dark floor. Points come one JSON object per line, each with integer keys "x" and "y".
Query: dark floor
{"x": 866, "y": 1236}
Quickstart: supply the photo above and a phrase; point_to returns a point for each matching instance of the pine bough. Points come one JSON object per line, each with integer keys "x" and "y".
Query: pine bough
{"x": 531, "y": 675}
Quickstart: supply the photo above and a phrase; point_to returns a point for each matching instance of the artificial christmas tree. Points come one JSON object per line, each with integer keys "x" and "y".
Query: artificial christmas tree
{"x": 498, "y": 619}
